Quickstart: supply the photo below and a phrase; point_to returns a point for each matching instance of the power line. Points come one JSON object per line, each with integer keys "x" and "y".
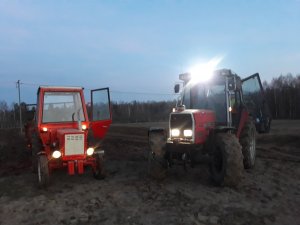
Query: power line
{"x": 139, "y": 93}
{"x": 112, "y": 91}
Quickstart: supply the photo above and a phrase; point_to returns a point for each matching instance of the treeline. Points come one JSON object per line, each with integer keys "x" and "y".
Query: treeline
{"x": 283, "y": 96}
{"x": 124, "y": 112}
{"x": 10, "y": 115}
{"x": 142, "y": 111}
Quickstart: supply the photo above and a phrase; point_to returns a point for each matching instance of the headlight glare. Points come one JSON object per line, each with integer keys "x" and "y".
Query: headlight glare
{"x": 188, "y": 133}
{"x": 90, "y": 151}
{"x": 56, "y": 154}
{"x": 175, "y": 132}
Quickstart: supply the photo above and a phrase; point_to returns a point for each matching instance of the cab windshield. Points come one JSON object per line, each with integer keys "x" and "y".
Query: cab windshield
{"x": 206, "y": 96}
{"x": 62, "y": 107}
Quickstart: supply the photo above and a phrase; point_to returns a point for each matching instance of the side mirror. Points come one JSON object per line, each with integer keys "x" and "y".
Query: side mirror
{"x": 177, "y": 88}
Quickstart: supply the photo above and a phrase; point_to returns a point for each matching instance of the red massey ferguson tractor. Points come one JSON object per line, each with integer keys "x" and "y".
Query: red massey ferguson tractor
{"x": 210, "y": 124}
{"x": 62, "y": 134}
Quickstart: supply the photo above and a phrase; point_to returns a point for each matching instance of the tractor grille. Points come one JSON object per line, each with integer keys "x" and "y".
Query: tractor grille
{"x": 74, "y": 144}
{"x": 181, "y": 122}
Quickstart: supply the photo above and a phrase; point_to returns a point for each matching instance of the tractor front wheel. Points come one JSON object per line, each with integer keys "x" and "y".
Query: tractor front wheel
{"x": 248, "y": 142}
{"x": 227, "y": 160}
{"x": 99, "y": 171}
{"x": 43, "y": 171}
{"x": 157, "y": 164}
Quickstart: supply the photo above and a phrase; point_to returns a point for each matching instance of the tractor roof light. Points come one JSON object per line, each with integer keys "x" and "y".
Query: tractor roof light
{"x": 204, "y": 71}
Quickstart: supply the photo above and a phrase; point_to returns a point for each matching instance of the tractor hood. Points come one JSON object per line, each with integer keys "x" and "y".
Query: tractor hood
{"x": 191, "y": 125}
{"x": 71, "y": 141}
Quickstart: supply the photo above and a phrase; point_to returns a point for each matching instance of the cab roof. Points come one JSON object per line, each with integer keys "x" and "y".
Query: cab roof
{"x": 59, "y": 88}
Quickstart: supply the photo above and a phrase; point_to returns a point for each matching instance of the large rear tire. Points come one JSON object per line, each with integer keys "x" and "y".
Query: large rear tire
{"x": 43, "y": 171}
{"x": 227, "y": 160}
{"x": 248, "y": 142}
{"x": 99, "y": 172}
{"x": 157, "y": 164}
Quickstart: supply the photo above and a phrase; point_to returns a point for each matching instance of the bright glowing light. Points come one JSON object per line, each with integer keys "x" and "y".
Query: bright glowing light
{"x": 90, "y": 151}
{"x": 203, "y": 72}
{"x": 56, "y": 154}
{"x": 188, "y": 133}
{"x": 45, "y": 129}
{"x": 175, "y": 132}
{"x": 230, "y": 109}
{"x": 83, "y": 127}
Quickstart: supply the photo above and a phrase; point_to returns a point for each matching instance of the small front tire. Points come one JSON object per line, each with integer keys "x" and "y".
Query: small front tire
{"x": 99, "y": 171}
{"x": 43, "y": 171}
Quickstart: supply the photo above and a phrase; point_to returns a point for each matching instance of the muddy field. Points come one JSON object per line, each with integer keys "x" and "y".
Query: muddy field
{"x": 268, "y": 194}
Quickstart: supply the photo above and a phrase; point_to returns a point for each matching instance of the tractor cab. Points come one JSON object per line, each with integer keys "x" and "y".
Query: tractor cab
{"x": 220, "y": 94}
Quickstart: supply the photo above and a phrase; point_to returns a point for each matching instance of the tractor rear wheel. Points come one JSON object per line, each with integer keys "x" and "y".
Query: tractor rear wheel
{"x": 43, "y": 171}
{"x": 227, "y": 160}
{"x": 248, "y": 142}
{"x": 99, "y": 172}
{"x": 157, "y": 164}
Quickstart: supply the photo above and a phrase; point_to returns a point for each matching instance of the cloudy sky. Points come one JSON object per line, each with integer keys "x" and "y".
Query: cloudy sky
{"x": 138, "y": 48}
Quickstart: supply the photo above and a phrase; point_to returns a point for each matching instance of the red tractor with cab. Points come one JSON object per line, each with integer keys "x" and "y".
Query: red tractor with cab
{"x": 211, "y": 123}
{"x": 61, "y": 134}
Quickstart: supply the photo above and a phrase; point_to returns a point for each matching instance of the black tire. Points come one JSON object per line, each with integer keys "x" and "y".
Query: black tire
{"x": 226, "y": 166}
{"x": 43, "y": 171}
{"x": 35, "y": 149}
{"x": 267, "y": 125}
{"x": 157, "y": 164}
{"x": 99, "y": 173}
{"x": 248, "y": 143}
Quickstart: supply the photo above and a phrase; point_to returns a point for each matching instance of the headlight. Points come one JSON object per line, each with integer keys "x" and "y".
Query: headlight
{"x": 83, "y": 127}
{"x": 90, "y": 151}
{"x": 56, "y": 154}
{"x": 44, "y": 129}
{"x": 188, "y": 133}
{"x": 175, "y": 132}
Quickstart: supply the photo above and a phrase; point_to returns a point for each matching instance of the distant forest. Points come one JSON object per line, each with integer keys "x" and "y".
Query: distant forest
{"x": 282, "y": 95}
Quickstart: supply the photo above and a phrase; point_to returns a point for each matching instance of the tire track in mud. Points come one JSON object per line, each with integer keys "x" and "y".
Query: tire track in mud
{"x": 268, "y": 194}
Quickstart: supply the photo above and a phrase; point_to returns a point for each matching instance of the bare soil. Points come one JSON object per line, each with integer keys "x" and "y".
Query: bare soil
{"x": 268, "y": 194}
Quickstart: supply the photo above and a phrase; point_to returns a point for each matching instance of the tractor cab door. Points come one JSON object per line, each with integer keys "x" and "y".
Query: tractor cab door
{"x": 254, "y": 99}
{"x": 101, "y": 117}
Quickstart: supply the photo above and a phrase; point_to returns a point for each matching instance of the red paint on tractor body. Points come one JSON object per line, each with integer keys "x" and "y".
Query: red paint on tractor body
{"x": 54, "y": 135}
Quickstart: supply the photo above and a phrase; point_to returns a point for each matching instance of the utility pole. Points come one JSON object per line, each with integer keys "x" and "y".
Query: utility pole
{"x": 20, "y": 110}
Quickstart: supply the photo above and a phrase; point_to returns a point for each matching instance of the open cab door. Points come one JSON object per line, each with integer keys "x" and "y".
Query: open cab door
{"x": 254, "y": 99}
{"x": 101, "y": 117}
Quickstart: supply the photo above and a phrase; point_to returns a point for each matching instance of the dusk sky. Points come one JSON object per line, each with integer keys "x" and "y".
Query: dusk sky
{"x": 138, "y": 48}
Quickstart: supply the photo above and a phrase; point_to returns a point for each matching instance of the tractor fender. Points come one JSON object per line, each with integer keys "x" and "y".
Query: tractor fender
{"x": 156, "y": 129}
